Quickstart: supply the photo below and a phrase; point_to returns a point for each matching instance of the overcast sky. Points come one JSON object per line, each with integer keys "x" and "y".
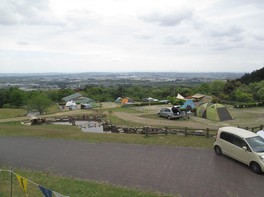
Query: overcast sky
{"x": 131, "y": 35}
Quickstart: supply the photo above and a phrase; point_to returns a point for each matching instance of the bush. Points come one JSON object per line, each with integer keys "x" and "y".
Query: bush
{"x": 247, "y": 105}
{"x": 8, "y": 105}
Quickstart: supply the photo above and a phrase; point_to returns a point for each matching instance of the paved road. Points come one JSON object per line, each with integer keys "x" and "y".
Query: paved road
{"x": 187, "y": 172}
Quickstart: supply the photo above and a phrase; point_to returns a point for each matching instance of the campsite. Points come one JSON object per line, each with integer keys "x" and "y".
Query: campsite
{"x": 133, "y": 125}
{"x": 133, "y": 116}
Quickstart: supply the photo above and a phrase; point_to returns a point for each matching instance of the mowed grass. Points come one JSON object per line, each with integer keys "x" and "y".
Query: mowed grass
{"x": 64, "y": 185}
{"x": 74, "y": 133}
{"x": 11, "y": 113}
{"x": 118, "y": 121}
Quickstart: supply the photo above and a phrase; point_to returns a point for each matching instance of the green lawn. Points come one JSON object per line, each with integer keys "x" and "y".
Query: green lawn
{"x": 118, "y": 121}
{"x": 11, "y": 113}
{"x": 64, "y": 185}
{"x": 73, "y": 133}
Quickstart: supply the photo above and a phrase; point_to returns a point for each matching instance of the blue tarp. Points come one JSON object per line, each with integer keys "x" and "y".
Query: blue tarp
{"x": 188, "y": 102}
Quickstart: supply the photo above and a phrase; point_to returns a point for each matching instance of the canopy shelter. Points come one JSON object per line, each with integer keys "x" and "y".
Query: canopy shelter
{"x": 261, "y": 133}
{"x": 180, "y": 97}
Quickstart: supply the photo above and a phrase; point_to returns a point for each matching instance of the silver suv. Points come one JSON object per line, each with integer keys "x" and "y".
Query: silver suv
{"x": 170, "y": 112}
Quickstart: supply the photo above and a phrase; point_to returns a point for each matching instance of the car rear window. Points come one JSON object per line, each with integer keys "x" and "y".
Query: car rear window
{"x": 226, "y": 136}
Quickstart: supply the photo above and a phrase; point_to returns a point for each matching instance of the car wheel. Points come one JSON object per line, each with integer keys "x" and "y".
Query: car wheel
{"x": 254, "y": 166}
{"x": 169, "y": 117}
{"x": 218, "y": 150}
{"x": 158, "y": 114}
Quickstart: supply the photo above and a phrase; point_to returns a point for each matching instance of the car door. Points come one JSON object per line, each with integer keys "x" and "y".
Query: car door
{"x": 226, "y": 143}
{"x": 238, "y": 152}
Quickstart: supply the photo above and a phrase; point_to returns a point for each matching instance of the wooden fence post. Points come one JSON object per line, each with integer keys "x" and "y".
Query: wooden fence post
{"x": 166, "y": 130}
{"x": 207, "y": 133}
{"x": 185, "y": 132}
{"x": 146, "y": 131}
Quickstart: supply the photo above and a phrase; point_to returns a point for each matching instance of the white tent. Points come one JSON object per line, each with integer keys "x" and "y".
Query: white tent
{"x": 70, "y": 103}
{"x": 261, "y": 133}
{"x": 180, "y": 97}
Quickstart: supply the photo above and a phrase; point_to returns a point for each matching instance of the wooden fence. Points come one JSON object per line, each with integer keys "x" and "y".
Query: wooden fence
{"x": 168, "y": 130}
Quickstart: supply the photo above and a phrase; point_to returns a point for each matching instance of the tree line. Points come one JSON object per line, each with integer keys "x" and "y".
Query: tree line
{"x": 230, "y": 90}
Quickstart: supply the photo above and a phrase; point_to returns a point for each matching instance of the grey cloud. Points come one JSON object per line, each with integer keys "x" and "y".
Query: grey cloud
{"x": 258, "y": 37}
{"x": 168, "y": 19}
{"x": 26, "y": 12}
{"x": 174, "y": 40}
{"x": 256, "y": 3}
{"x": 226, "y": 31}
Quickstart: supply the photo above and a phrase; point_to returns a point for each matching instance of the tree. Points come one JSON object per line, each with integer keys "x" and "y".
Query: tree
{"x": 261, "y": 94}
{"x": 3, "y": 97}
{"x": 203, "y": 88}
{"x": 216, "y": 87}
{"x": 17, "y": 97}
{"x": 241, "y": 96}
{"x": 39, "y": 102}
{"x": 175, "y": 101}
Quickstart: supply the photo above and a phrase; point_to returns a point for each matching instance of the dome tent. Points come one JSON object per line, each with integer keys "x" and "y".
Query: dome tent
{"x": 215, "y": 112}
{"x": 201, "y": 110}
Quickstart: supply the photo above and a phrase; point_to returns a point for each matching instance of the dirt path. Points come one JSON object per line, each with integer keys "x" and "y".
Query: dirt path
{"x": 191, "y": 123}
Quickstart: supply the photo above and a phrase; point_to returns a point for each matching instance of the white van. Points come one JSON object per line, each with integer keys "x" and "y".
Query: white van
{"x": 242, "y": 145}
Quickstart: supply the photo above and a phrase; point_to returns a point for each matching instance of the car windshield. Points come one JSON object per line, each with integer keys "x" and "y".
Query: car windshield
{"x": 256, "y": 143}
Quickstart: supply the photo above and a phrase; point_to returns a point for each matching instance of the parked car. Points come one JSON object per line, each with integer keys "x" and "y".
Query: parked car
{"x": 242, "y": 145}
{"x": 171, "y": 112}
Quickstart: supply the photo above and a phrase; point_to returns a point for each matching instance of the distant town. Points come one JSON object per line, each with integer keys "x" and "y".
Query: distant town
{"x": 48, "y": 81}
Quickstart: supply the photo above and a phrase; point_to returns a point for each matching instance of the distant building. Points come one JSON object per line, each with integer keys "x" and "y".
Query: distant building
{"x": 72, "y": 97}
{"x": 77, "y": 98}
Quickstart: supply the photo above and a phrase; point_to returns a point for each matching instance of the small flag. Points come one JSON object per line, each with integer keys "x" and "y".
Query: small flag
{"x": 58, "y": 194}
{"x": 22, "y": 182}
{"x": 46, "y": 192}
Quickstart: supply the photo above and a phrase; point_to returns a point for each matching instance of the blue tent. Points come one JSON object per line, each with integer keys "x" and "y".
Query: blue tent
{"x": 188, "y": 102}
{"x": 118, "y": 100}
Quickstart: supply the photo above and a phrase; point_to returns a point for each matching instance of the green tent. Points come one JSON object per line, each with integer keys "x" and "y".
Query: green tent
{"x": 215, "y": 112}
{"x": 201, "y": 110}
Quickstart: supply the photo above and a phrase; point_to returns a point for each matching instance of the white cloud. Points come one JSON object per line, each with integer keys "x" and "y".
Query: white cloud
{"x": 124, "y": 35}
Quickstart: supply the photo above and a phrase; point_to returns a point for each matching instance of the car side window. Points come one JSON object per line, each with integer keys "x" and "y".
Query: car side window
{"x": 227, "y": 137}
{"x": 239, "y": 142}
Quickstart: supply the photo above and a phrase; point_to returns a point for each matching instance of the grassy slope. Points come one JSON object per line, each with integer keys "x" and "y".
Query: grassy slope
{"x": 11, "y": 113}
{"x": 65, "y": 186}
{"x": 73, "y": 133}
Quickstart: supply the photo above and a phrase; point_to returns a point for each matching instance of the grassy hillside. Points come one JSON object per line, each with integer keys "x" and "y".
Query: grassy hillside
{"x": 64, "y": 185}
{"x": 11, "y": 113}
